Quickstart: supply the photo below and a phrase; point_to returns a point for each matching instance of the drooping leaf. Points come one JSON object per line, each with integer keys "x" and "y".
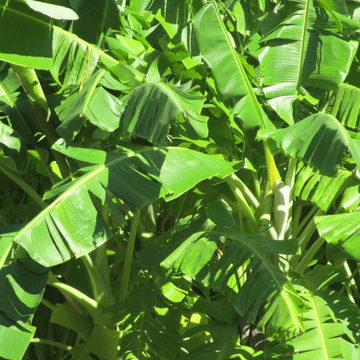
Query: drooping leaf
{"x": 319, "y": 140}
{"x": 152, "y": 108}
{"x": 93, "y": 103}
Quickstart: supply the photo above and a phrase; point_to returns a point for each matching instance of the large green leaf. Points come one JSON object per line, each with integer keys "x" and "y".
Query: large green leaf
{"x": 342, "y": 230}
{"x": 265, "y": 283}
{"x": 95, "y": 18}
{"x": 293, "y": 56}
{"x": 71, "y": 225}
{"x": 217, "y": 48}
{"x": 152, "y": 107}
{"x": 49, "y": 47}
{"x": 22, "y": 285}
{"x": 319, "y": 140}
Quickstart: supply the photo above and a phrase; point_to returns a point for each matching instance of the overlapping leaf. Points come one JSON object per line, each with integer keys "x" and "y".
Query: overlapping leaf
{"x": 148, "y": 324}
{"x": 93, "y": 103}
{"x": 294, "y": 52}
{"x": 193, "y": 254}
{"x": 49, "y": 47}
{"x": 71, "y": 225}
{"x": 320, "y": 189}
{"x": 331, "y": 328}
{"x": 342, "y": 230}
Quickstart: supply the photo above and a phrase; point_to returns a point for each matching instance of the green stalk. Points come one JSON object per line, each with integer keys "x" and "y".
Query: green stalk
{"x": 242, "y": 203}
{"x": 251, "y": 199}
{"x": 89, "y": 304}
{"x": 129, "y": 256}
{"x": 48, "y": 304}
{"x": 52, "y": 343}
{"x": 27, "y": 188}
{"x": 305, "y": 237}
{"x": 180, "y": 207}
{"x": 305, "y": 261}
{"x": 306, "y": 219}
{"x": 296, "y": 220}
{"x": 351, "y": 281}
{"x": 265, "y": 224}
{"x": 102, "y": 293}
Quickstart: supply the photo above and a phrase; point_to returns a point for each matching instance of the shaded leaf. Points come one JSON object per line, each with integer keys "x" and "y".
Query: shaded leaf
{"x": 22, "y": 284}
{"x": 152, "y": 107}
{"x": 49, "y": 47}
{"x": 320, "y": 189}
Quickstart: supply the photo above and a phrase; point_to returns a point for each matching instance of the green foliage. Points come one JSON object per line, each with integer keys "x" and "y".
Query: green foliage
{"x": 183, "y": 176}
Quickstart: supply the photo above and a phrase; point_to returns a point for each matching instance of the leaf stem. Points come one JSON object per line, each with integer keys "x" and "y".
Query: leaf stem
{"x": 102, "y": 293}
{"x": 52, "y": 343}
{"x": 129, "y": 256}
{"x": 245, "y": 190}
{"x": 89, "y": 304}
{"x": 27, "y": 188}
{"x": 305, "y": 261}
{"x": 265, "y": 224}
{"x": 242, "y": 203}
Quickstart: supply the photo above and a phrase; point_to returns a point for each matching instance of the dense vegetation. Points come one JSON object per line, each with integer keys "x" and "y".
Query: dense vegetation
{"x": 179, "y": 179}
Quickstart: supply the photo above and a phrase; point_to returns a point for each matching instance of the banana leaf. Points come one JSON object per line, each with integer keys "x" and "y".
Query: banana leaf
{"x": 319, "y": 140}
{"x": 331, "y": 327}
{"x": 293, "y": 56}
{"x": 71, "y": 226}
{"x": 148, "y": 332}
{"x": 152, "y": 107}
{"x": 15, "y": 105}
{"x": 70, "y": 59}
{"x": 94, "y": 104}
{"x": 192, "y": 255}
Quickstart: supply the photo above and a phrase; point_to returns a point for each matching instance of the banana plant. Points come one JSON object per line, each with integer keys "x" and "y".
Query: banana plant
{"x": 179, "y": 179}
